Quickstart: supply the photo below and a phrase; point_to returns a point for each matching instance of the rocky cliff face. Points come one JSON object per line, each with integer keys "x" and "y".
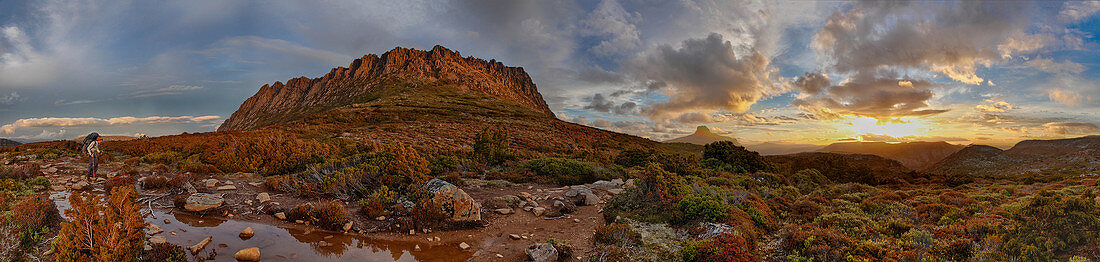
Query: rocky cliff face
{"x": 280, "y": 102}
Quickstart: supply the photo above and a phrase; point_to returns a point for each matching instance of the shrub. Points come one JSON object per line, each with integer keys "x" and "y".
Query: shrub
{"x": 661, "y": 185}
{"x": 118, "y": 181}
{"x": 300, "y": 212}
{"x": 283, "y": 183}
{"x": 108, "y": 232}
{"x": 727, "y": 247}
{"x": 805, "y": 211}
{"x": 330, "y": 215}
{"x": 564, "y": 171}
{"x": 739, "y": 158}
{"x": 405, "y": 161}
{"x": 35, "y": 215}
{"x": 633, "y": 158}
{"x": 154, "y": 182}
{"x": 377, "y": 202}
{"x": 491, "y": 146}
{"x": 1051, "y": 224}
{"x": 164, "y": 252}
{"x": 163, "y": 157}
{"x": 160, "y": 168}
{"x": 617, "y": 234}
{"x": 958, "y": 249}
{"x": 696, "y": 208}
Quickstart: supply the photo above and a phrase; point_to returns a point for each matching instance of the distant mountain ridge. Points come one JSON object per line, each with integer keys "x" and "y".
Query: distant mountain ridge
{"x": 702, "y": 136}
{"x": 774, "y": 148}
{"x": 300, "y": 97}
{"x": 6, "y": 142}
{"x": 1071, "y": 156}
{"x": 914, "y": 155}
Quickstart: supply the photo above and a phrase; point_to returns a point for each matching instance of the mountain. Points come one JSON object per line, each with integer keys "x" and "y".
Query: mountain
{"x": 843, "y": 168}
{"x": 301, "y": 97}
{"x": 915, "y": 155}
{"x": 702, "y": 136}
{"x": 776, "y": 148}
{"x": 6, "y": 142}
{"x": 1071, "y": 156}
{"x": 435, "y": 101}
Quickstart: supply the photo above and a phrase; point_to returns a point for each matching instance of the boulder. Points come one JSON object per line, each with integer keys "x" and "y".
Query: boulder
{"x": 502, "y": 201}
{"x": 542, "y": 252}
{"x": 248, "y": 254}
{"x": 157, "y": 240}
{"x": 538, "y": 211}
{"x": 456, "y": 204}
{"x": 280, "y": 216}
{"x": 582, "y": 195}
{"x": 152, "y": 229}
{"x": 604, "y": 185}
{"x": 79, "y": 185}
{"x": 629, "y": 183}
{"x": 348, "y": 226}
{"x": 211, "y": 182}
{"x": 247, "y": 233}
{"x": 263, "y": 197}
{"x": 618, "y": 182}
{"x": 559, "y": 208}
{"x": 199, "y": 202}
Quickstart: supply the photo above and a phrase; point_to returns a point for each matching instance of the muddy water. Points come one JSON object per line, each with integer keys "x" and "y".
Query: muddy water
{"x": 279, "y": 243}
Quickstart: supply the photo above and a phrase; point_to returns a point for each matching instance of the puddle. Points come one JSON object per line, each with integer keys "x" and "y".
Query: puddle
{"x": 278, "y": 243}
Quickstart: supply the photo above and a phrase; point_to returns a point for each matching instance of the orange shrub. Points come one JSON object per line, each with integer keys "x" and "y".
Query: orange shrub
{"x": 110, "y": 231}
{"x": 119, "y": 181}
{"x": 727, "y": 247}
{"x": 154, "y": 182}
{"x": 264, "y": 151}
{"x": 330, "y": 215}
{"x": 35, "y": 212}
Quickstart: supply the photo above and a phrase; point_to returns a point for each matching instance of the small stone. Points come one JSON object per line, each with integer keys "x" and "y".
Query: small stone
{"x": 248, "y": 202}
{"x": 158, "y": 240}
{"x": 538, "y": 211}
{"x": 615, "y": 191}
{"x": 79, "y": 185}
{"x": 228, "y": 182}
{"x": 256, "y": 183}
{"x": 412, "y": 231}
{"x": 436, "y": 239}
{"x": 323, "y": 243}
{"x": 527, "y": 208}
{"x": 299, "y": 221}
{"x": 576, "y": 220}
{"x": 248, "y": 254}
{"x": 280, "y": 216}
{"x": 542, "y": 252}
{"x": 247, "y": 233}
{"x": 416, "y": 248}
{"x": 500, "y": 256}
{"x": 504, "y": 211}
{"x": 380, "y": 218}
{"x": 148, "y": 247}
{"x": 172, "y": 233}
{"x": 211, "y": 182}
{"x": 463, "y": 245}
{"x": 263, "y": 197}
{"x": 152, "y": 229}
{"x": 201, "y": 245}
{"x": 348, "y": 226}
{"x": 199, "y": 202}
{"x": 514, "y": 236}
{"x": 229, "y": 187}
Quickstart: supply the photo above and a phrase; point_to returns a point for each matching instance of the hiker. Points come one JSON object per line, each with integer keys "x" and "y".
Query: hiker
{"x": 91, "y": 147}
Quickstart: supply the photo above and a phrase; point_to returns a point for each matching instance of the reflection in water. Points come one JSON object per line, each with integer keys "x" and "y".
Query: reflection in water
{"x": 284, "y": 244}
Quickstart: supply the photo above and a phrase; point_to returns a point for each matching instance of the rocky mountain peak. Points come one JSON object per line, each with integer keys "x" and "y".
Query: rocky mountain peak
{"x": 279, "y": 102}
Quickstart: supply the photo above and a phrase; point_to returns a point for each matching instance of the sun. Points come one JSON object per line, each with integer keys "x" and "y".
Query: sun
{"x": 902, "y": 127}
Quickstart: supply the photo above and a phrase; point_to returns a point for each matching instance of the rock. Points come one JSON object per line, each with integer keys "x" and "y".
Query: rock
{"x": 299, "y": 221}
{"x": 57, "y": 188}
{"x": 618, "y": 182}
{"x": 416, "y": 248}
{"x": 500, "y": 256}
{"x": 79, "y": 185}
{"x": 504, "y": 211}
{"x": 455, "y": 203}
{"x": 158, "y": 240}
{"x": 187, "y": 187}
{"x": 463, "y": 245}
{"x": 211, "y": 182}
{"x": 615, "y": 191}
{"x": 582, "y": 195}
{"x": 542, "y": 252}
{"x": 248, "y": 254}
{"x": 166, "y": 221}
{"x": 201, "y": 245}
{"x": 380, "y": 218}
{"x": 526, "y": 196}
{"x": 629, "y": 183}
{"x": 263, "y": 197}
{"x": 229, "y": 187}
{"x": 256, "y": 184}
{"x": 560, "y": 208}
{"x": 248, "y": 202}
{"x": 502, "y": 201}
{"x": 604, "y": 185}
{"x": 711, "y": 230}
{"x": 51, "y": 170}
{"x": 348, "y": 226}
{"x": 527, "y": 208}
{"x": 247, "y": 233}
{"x": 199, "y": 202}
{"x": 152, "y": 229}
{"x": 280, "y": 216}
{"x": 513, "y": 236}
{"x": 538, "y": 211}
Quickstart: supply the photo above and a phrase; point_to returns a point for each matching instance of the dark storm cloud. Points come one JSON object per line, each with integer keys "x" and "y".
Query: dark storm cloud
{"x": 705, "y": 74}
{"x": 868, "y": 96}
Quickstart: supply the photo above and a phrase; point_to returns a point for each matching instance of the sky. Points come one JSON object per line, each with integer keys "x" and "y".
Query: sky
{"x": 993, "y": 72}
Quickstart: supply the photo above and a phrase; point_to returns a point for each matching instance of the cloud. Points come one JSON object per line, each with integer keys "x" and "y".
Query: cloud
{"x": 11, "y": 98}
{"x": 812, "y": 83}
{"x": 892, "y": 139}
{"x": 869, "y": 96}
{"x": 601, "y": 104}
{"x": 100, "y": 122}
{"x": 1071, "y": 128}
{"x": 170, "y": 90}
{"x": 1066, "y": 97}
{"x": 705, "y": 74}
{"x": 952, "y": 39}
{"x": 1050, "y": 66}
{"x": 1076, "y": 11}
{"x": 611, "y": 20}
{"x": 994, "y": 106}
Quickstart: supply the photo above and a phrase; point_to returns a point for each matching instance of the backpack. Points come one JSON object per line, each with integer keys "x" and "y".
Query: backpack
{"x": 88, "y": 140}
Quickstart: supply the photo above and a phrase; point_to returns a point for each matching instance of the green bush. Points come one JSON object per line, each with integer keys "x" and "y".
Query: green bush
{"x": 633, "y": 158}
{"x": 735, "y": 158}
{"x": 564, "y": 171}
{"x": 1052, "y": 224}
{"x": 491, "y": 146}
{"x": 696, "y": 208}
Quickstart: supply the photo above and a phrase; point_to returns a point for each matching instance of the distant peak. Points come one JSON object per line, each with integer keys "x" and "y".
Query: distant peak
{"x": 702, "y": 130}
